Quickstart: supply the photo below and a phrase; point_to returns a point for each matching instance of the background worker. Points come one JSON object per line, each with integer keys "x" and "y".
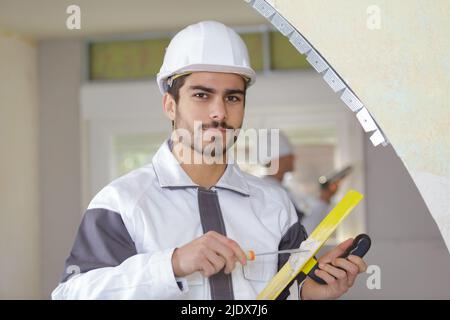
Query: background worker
{"x": 310, "y": 209}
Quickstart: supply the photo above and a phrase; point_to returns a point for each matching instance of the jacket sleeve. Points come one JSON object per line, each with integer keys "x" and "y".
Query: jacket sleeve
{"x": 104, "y": 264}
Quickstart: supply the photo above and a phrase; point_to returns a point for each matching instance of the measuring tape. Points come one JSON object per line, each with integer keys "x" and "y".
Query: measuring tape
{"x": 304, "y": 261}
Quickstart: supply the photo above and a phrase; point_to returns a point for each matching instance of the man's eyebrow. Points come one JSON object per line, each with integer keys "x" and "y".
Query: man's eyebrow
{"x": 210, "y": 90}
{"x": 234, "y": 91}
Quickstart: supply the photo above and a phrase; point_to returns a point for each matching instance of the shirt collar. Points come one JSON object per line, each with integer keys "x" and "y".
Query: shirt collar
{"x": 171, "y": 175}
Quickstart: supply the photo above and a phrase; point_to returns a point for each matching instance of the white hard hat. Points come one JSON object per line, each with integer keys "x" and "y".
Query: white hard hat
{"x": 286, "y": 147}
{"x": 282, "y": 145}
{"x": 205, "y": 46}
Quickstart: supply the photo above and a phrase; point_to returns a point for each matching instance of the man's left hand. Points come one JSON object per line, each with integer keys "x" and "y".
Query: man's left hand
{"x": 338, "y": 273}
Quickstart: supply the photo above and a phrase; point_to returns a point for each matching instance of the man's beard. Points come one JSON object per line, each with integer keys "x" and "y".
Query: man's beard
{"x": 215, "y": 146}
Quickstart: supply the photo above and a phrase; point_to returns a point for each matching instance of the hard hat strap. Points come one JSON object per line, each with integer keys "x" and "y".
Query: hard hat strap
{"x": 175, "y": 76}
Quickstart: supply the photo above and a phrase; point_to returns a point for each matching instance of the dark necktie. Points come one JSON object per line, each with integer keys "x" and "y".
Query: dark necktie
{"x": 212, "y": 220}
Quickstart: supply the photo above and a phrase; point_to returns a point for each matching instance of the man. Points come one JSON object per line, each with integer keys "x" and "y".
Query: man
{"x": 310, "y": 210}
{"x": 178, "y": 228}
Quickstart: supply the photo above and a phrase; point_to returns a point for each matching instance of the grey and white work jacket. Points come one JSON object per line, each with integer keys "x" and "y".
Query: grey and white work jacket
{"x": 124, "y": 245}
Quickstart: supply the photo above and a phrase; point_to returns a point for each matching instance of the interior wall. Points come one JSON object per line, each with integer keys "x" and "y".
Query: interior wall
{"x": 406, "y": 243}
{"x": 19, "y": 173}
{"x": 60, "y": 70}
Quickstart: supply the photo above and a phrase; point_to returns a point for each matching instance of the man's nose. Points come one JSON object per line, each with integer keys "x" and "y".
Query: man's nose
{"x": 218, "y": 110}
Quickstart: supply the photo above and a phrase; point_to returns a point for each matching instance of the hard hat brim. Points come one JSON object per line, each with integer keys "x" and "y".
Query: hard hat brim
{"x": 247, "y": 73}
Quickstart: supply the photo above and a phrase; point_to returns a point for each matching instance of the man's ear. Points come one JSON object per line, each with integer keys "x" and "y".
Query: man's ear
{"x": 169, "y": 106}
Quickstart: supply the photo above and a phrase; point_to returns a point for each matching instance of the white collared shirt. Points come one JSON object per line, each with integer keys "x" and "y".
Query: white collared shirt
{"x": 125, "y": 242}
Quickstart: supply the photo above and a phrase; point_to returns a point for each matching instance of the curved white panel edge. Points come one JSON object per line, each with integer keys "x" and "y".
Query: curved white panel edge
{"x": 435, "y": 190}
{"x": 330, "y": 76}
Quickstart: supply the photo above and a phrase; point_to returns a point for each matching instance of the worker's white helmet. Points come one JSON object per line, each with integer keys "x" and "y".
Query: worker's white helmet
{"x": 286, "y": 148}
{"x": 275, "y": 149}
{"x": 205, "y": 46}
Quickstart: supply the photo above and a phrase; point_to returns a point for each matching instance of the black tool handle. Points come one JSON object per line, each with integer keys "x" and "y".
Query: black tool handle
{"x": 359, "y": 248}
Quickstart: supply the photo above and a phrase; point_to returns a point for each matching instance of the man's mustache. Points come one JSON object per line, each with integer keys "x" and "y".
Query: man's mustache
{"x": 217, "y": 125}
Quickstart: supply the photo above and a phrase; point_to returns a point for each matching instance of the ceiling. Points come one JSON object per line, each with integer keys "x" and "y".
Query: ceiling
{"x": 46, "y": 19}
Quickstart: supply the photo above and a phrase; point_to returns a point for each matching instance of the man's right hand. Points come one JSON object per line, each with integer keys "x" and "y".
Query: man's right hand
{"x": 208, "y": 254}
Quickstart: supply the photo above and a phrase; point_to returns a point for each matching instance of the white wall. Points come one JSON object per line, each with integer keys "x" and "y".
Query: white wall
{"x": 19, "y": 190}
{"x": 60, "y": 155}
